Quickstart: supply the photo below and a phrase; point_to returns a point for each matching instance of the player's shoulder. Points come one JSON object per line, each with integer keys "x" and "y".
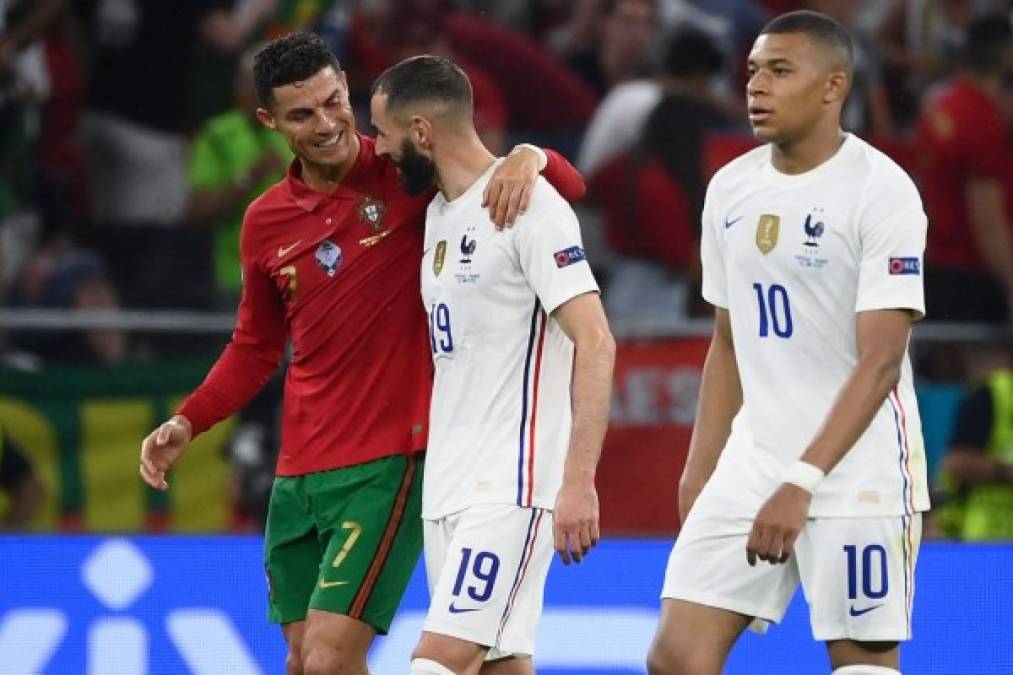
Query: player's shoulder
{"x": 884, "y": 179}
{"x": 741, "y": 170}
{"x": 545, "y": 201}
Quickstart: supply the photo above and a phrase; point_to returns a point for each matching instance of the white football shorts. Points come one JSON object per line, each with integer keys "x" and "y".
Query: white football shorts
{"x": 486, "y": 567}
{"x": 857, "y": 573}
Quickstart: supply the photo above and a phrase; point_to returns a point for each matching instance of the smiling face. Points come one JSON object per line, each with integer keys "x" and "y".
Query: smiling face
{"x": 395, "y": 140}
{"x": 316, "y": 119}
{"x": 793, "y": 85}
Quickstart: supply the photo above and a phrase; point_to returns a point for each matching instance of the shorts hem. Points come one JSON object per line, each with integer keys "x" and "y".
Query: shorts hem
{"x": 725, "y": 603}
{"x": 504, "y": 648}
{"x": 826, "y": 635}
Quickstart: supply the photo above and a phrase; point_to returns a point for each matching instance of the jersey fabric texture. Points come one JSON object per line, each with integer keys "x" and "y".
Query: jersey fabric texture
{"x": 329, "y": 273}
{"x": 336, "y": 275}
{"x": 794, "y": 258}
{"x": 344, "y": 541}
{"x": 500, "y": 415}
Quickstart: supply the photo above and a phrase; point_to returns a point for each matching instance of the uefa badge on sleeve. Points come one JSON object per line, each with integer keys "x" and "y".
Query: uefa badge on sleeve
{"x": 329, "y": 257}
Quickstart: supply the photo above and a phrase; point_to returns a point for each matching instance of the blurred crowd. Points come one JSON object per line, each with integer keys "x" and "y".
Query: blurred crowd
{"x": 129, "y": 150}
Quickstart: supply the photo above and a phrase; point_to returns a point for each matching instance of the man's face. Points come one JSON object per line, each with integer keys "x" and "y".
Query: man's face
{"x": 631, "y": 28}
{"x": 316, "y": 118}
{"x": 416, "y": 171}
{"x": 787, "y": 87}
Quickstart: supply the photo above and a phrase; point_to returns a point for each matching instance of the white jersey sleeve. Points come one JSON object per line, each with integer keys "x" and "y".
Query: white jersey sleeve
{"x": 892, "y": 237}
{"x": 551, "y": 256}
{"x": 715, "y": 283}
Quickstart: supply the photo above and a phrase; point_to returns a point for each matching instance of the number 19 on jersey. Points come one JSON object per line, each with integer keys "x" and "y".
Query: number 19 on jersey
{"x": 441, "y": 337}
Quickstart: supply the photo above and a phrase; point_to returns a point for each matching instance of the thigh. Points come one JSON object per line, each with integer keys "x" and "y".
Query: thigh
{"x": 708, "y": 565}
{"x": 368, "y": 519}
{"x": 490, "y": 585}
{"x": 858, "y": 576}
{"x": 291, "y": 553}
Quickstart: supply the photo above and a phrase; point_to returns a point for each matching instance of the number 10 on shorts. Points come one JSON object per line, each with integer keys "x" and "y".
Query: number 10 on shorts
{"x": 875, "y": 583}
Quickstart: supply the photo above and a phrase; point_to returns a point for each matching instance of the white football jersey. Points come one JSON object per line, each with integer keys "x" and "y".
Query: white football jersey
{"x": 794, "y": 258}
{"x": 499, "y": 422}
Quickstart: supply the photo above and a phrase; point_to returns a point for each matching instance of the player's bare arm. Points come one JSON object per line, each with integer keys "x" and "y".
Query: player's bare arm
{"x": 882, "y": 337}
{"x": 162, "y": 447}
{"x": 575, "y": 516}
{"x": 720, "y": 400}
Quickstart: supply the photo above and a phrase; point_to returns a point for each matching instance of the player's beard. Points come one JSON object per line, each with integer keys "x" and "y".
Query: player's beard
{"x": 418, "y": 172}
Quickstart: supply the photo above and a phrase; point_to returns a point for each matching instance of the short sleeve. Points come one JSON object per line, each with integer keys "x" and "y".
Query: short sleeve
{"x": 712, "y": 257}
{"x": 891, "y": 259}
{"x": 552, "y": 257}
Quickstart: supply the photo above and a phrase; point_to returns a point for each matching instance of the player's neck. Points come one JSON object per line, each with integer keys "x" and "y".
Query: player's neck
{"x": 461, "y": 163}
{"x": 323, "y": 177}
{"x": 805, "y": 154}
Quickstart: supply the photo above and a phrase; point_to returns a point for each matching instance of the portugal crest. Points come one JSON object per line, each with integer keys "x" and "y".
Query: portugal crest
{"x": 371, "y": 211}
{"x": 439, "y": 257}
{"x": 766, "y": 232}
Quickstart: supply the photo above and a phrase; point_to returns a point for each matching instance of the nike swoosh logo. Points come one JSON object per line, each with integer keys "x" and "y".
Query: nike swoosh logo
{"x": 729, "y": 223}
{"x": 860, "y": 612}
{"x": 462, "y": 610}
{"x": 284, "y": 250}
{"x": 332, "y": 584}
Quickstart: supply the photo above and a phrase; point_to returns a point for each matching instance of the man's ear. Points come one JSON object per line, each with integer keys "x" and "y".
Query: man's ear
{"x": 422, "y": 132}
{"x": 266, "y": 118}
{"x": 837, "y": 86}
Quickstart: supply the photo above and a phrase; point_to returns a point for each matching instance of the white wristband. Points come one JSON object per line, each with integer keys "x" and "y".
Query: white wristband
{"x": 543, "y": 159}
{"x": 804, "y": 475}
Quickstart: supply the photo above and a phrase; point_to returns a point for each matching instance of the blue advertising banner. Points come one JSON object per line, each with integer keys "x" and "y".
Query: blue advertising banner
{"x": 161, "y": 605}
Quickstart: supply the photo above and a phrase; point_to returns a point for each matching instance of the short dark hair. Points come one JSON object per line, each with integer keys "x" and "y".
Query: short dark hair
{"x": 819, "y": 27}
{"x": 425, "y": 79}
{"x": 690, "y": 51}
{"x": 291, "y": 58}
{"x": 987, "y": 38}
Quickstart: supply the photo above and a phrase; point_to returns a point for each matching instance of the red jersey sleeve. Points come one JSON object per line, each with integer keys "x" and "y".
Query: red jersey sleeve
{"x": 252, "y": 355}
{"x": 564, "y": 177}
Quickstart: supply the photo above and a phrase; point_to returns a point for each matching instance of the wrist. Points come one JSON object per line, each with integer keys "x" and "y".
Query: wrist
{"x": 543, "y": 159}
{"x": 578, "y": 477}
{"x": 184, "y": 422}
{"x": 804, "y": 475}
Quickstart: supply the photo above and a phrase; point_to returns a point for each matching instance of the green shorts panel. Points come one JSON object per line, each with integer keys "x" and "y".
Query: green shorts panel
{"x": 344, "y": 541}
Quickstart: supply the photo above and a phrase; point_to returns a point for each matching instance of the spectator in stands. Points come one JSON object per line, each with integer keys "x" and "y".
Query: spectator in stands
{"x": 978, "y": 466}
{"x": 134, "y": 134}
{"x": 61, "y": 276}
{"x": 22, "y": 486}
{"x": 651, "y": 200}
{"x": 963, "y": 150}
{"x": 867, "y": 110}
{"x": 421, "y": 27}
{"x": 627, "y": 31}
{"x": 233, "y": 159}
{"x": 691, "y": 62}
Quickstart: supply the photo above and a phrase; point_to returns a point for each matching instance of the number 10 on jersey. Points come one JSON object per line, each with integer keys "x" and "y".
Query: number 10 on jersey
{"x": 441, "y": 339}
{"x": 775, "y": 310}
